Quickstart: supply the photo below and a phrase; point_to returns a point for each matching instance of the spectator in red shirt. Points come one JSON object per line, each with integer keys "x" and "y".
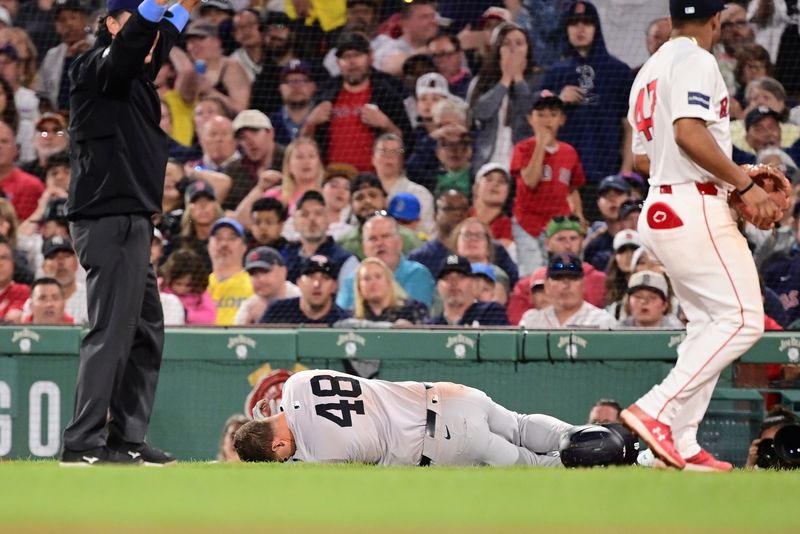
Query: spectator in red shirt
{"x": 356, "y": 107}
{"x": 564, "y": 235}
{"x": 548, "y": 174}
{"x": 489, "y": 196}
{"x": 12, "y": 294}
{"x": 48, "y": 303}
{"x": 21, "y": 189}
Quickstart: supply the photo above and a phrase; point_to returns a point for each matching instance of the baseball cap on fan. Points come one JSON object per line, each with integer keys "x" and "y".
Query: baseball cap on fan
{"x": 694, "y": 9}
{"x": 262, "y": 259}
{"x": 432, "y": 83}
{"x": 649, "y": 280}
{"x": 756, "y": 114}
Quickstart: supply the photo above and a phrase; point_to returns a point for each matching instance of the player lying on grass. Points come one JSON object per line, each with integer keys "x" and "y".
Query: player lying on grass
{"x": 328, "y": 416}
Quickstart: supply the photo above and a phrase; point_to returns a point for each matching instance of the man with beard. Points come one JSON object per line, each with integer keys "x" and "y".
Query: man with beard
{"x": 457, "y": 286}
{"x": 355, "y": 108}
{"x": 297, "y": 89}
{"x": 228, "y": 284}
{"x": 317, "y": 283}
{"x": 278, "y": 52}
{"x": 368, "y": 198}
{"x": 311, "y": 223}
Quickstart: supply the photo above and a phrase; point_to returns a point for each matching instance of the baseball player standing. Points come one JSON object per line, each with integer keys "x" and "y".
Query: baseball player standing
{"x": 328, "y": 416}
{"x": 679, "y": 113}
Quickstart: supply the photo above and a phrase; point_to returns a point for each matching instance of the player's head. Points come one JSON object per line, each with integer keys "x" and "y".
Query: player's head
{"x": 604, "y": 411}
{"x": 697, "y": 18}
{"x": 263, "y": 441}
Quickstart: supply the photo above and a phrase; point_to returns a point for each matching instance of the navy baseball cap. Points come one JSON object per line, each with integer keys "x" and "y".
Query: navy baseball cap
{"x": 296, "y": 66}
{"x": 317, "y": 264}
{"x": 229, "y": 222}
{"x": 197, "y": 189}
{"x": 56, "y": 244}
{"x": 56, "y": 210}
{"x": 262, "y": 259}
{"x": 694, "y": 9}
{"x": 616, "y": 182}
{"x": 404, "y": 207}
{"x": 759, "y": 113}
{"x": 565, "y": 265}
{"x": 455, "y": 264}
{"x": 628, "y": 207}
{"x": 123, "y": 5}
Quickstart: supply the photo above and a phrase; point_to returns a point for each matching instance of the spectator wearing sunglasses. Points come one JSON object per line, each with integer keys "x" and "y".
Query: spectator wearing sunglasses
{"x": 564, "y": 288}
{"x": 564, "y": 235}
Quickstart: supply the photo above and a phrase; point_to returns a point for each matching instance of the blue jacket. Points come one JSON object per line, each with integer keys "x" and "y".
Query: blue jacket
{"x": 287, "y": 311}
{"x": 291, "y": 254}
{"x": 594, "y": 126}
{"x": 413, "y": 277}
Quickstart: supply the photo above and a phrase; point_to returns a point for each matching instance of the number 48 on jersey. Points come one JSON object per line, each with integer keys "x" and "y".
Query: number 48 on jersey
{"x": 645, "y": 102}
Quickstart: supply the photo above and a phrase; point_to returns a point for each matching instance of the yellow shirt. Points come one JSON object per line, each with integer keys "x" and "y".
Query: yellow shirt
{"x": 329, "y": 13}
{"x": 182, "y": 125}
{"x": 229, "y": 294}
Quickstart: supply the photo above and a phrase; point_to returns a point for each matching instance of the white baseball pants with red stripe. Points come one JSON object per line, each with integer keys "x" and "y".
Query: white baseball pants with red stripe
{"x": 714, "y": 277}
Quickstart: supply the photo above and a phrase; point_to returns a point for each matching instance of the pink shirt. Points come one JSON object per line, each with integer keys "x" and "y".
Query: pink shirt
{"x": 200, "y": 309}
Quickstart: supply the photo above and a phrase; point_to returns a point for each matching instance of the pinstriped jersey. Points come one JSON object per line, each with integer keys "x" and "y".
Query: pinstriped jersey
{"x": 681, "y": 80}
{"x": 336, "y": 417}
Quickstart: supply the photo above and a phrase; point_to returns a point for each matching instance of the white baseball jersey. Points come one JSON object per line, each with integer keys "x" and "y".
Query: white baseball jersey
{"x": 681, "y": 80}
{"x": 336, "y": 417}
{"x": 587, "y": 316}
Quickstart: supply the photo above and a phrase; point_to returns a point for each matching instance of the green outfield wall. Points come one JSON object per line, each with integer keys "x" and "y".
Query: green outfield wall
{"x": 204, "y": 376}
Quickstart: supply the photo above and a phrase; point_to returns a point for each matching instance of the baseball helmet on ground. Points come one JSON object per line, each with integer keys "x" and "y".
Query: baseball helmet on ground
{"x": 591, "y": 446}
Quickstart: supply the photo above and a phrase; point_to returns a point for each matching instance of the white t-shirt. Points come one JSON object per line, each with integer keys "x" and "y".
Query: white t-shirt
{"x": 681, "y": 80}
{"x": 336, "y": 417}
{"x": 587, "y": 316}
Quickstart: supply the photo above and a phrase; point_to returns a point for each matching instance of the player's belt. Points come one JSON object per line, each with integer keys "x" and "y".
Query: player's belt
{"x": 430, "y": 427}
{"x": 706, "y": 188}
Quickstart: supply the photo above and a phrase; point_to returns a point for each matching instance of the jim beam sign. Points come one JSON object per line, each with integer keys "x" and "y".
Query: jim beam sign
{"x": 241, "y": 345}
{"x": 459, "y": 345}
{"x": 351, "y": 342}
{"x": 791, "y": 346}
{"x": 570, "y": 344}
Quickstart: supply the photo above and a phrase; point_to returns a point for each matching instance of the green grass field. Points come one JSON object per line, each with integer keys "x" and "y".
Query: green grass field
{"x": 41, "y": 497}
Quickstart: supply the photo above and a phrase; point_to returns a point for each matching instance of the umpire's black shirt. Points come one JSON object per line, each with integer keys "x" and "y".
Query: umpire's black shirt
{"x": 118, "y": 150}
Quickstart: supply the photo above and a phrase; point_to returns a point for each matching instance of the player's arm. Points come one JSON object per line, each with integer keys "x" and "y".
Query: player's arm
{"x": 692, "y": 136}
{"x": 641, "y": 164}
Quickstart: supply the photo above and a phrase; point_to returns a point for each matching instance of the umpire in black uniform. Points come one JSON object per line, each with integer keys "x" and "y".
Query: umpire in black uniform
{"x": 119, "y": 155}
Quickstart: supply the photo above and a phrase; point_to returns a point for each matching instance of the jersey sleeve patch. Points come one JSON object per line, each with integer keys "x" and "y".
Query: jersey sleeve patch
{"x": 699, "y": 99}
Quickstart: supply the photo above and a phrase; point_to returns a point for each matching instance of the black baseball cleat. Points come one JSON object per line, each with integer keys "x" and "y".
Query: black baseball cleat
{"x": 96, "y": 456}
{"x": 144, "y": 452}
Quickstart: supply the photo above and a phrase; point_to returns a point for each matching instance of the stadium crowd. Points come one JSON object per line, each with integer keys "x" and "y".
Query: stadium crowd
{"x": 391, "y": 162}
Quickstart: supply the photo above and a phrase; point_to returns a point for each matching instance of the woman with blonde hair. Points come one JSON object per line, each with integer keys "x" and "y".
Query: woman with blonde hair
{"x": 302, "y": 171}
{"x": 378, "y": 296}
{"x": 9, "y": 224}
{"x": 27, "y": 54}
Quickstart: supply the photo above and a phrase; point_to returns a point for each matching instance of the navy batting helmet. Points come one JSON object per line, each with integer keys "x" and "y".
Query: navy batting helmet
{"x": 591, "y": 446}
{"x": 630, "y": 452}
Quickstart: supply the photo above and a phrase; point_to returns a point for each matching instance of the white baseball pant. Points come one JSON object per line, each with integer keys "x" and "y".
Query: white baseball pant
{"x": 693, "y": 234}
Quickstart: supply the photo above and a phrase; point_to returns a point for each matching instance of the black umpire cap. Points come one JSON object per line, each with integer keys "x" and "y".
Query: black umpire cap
{"x": 694, "y": 9}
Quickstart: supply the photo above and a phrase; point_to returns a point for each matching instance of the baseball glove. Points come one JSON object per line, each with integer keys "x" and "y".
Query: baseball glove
{"x": 264, "y": 398}
{"x": 773, "y": 182}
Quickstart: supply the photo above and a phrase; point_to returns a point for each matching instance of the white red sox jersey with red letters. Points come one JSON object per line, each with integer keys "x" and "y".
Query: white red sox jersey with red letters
{"x": 681, "y": 80}
{"x": 336, "y": 417}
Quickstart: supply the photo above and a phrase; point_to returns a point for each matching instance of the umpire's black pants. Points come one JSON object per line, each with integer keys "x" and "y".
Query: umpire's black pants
{"x": 121, "y": 354}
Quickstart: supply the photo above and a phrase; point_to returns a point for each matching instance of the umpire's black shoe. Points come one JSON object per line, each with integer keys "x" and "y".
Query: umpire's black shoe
{"x": 151, "y": 456}
{"x": 96, "y": 456}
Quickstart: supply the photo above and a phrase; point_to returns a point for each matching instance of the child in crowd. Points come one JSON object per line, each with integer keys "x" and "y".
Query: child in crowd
{"x": 548, "y": 173}
{"x": 267, "y": 217}
{"x": 186, "y": 277}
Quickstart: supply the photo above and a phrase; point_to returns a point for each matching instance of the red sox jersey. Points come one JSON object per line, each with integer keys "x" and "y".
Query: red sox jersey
{"x": 336, "y": 417}
{"x": 681, "y": 80}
